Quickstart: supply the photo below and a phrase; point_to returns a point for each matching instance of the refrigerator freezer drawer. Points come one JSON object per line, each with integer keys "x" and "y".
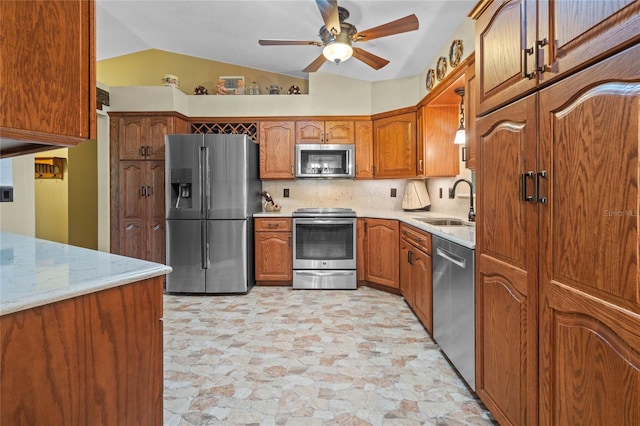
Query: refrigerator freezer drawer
{"x": 185, "y": 256}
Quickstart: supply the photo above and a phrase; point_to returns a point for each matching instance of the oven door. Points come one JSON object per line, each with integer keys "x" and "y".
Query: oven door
{"x": 324, "y": 243}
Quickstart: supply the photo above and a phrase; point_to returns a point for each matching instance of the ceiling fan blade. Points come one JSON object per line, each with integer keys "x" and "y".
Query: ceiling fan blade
{"x": 375, "y": 62}
{"x": 329, "y": 12}
{"x": 288, "y": 43}
{"x": 402, "y": 25}
{"x": 316, "y": 64}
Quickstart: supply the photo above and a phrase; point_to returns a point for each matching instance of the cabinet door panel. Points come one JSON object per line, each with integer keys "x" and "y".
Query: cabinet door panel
{"x": 590, "y": 273}
{"x": 158, "y": 128}
{"x": 309, "y": 132}
{"x": 156, "y": 213}
{"x": 421, "y": 276}
{"x": 501, "y": 33}
{"x": 382, "y": 248}
{"x": 277, "y": 150}
{"x": 339, "y": 132}
{"x": 273, "y": 256}
{"x": 506, "y": 273}
{"x": 48, "y": 70}
{"x": 394, "y": 140}
{"x": 130, "y": 138}
{"x": 364, "y": 149}
{"x": 132, "y": 190}
{"x": 583, "y": 31}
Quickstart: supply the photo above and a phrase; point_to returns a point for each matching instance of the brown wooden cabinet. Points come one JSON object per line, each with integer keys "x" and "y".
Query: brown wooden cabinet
{"x": 142, "y": 218}
{"x": 557, "y": 248}
{"x": 394, "y": 146}
{"x": 143, "y": 137}
{"x": 92, "y": 359}
{"x": 526, "y": 43}
{"x": 340, "y": 132}
{"x": 48, "y": 94}
{"x": 506, "y": 265}
{"x": 469, "y": 150}
{"x": 364, "y": 149}
{"x": 381, "y": 251}
{"x": 273, "y": 255}
{"x": 415, "y": 273}
{"x": 277, "y": 140}
{"x": 137, "y": 183}
{"x": 589, "y": 238}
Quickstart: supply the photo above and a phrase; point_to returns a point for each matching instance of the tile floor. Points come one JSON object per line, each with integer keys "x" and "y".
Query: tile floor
{"x": 279, "y": 356}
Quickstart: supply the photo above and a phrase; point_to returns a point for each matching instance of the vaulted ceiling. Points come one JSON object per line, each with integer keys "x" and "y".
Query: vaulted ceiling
{"x": 228, "y": 31}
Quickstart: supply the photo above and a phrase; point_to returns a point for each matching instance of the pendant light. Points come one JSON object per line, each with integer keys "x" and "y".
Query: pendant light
{"x": 460, "y": 138}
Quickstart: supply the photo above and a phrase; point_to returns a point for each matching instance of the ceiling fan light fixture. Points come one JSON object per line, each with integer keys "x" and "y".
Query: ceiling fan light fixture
{"x": 337, "y": 52}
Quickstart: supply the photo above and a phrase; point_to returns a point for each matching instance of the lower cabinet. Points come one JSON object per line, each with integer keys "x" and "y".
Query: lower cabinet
{"x": 380, "y": 252}
{"x": 415, "y": 273}
{"x": 273, "y": 256}
{"x": 93, "y": 359}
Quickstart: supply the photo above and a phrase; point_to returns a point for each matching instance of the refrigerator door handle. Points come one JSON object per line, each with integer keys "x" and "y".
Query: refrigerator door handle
{"x": 204, "y": 246}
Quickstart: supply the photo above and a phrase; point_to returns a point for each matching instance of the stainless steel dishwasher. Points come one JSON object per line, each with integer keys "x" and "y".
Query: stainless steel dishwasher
{"x": 453, "y": 305}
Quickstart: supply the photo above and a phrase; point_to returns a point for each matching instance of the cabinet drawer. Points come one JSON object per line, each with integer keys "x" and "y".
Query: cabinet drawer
{"x": 416, "y": 237}
{"x": 273, "y": 224}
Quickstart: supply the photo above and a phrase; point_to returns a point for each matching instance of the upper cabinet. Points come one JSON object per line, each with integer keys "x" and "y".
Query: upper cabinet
{"x": 324, "y": 132}
{"x": 394, "y": 146}
{"x": 277, "y": 140}
{"x": 526, "y": 43}
{"x": 364, "y": 149}
{"x": 48, "y": 94}
{"x": 142, "y": 137}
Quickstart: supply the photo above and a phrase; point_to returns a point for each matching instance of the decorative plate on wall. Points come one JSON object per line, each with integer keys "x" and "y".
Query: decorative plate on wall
{"x": 455, "y": 53}
{"x": 431, "y": 78}
{"x": 441, "y": 68}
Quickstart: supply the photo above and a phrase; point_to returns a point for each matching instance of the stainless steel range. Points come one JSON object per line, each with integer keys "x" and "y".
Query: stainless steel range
{"x": 324, "y": 248}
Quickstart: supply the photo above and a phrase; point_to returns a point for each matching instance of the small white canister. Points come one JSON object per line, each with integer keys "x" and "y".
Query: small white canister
{"x": 170, "y": 80}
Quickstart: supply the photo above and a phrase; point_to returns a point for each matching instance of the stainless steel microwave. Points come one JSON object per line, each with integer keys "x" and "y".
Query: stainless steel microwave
{"x": 324, "y": 161}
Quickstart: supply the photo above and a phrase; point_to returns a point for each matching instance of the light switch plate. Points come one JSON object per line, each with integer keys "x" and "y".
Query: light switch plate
{"x": 6, "y": 194}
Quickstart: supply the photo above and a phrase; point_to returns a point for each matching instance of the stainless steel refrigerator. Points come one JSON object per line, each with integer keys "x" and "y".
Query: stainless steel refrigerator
{"x": 212, "y": 191}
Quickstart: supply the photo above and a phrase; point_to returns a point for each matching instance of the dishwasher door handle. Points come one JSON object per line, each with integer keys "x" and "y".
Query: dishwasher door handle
{"x": 451, "y": 257}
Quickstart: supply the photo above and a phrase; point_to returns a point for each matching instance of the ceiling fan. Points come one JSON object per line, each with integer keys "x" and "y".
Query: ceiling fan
{"x": 337, "y": 37}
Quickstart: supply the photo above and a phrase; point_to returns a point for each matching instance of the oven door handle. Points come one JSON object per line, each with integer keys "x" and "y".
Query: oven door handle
{"x": 335, "y": 221}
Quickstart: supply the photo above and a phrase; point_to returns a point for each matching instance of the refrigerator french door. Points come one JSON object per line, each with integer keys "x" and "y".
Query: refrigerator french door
{"x": 213, "y": 190}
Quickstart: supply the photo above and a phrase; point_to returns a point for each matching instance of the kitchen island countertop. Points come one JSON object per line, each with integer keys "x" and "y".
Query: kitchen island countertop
{"x": 463, "y": 235}
{"x": 35, "y": 272}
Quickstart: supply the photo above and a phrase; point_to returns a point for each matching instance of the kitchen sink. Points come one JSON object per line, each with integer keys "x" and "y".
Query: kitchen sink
{"x": 443, "y": 221}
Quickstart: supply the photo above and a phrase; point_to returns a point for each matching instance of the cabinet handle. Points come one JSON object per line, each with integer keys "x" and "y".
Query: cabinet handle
{"x": 527, "y": 75}
{"x": 148, "y": 191}
{"x": 128, "y": 227}
{"x": 527, "y": 175}
{"x": 289, "y": 240}
{"x": 292, "y": 170}
{"x": 536, "y": 189}
{"x": 464, "y": 153}
{"x": 156, "y": 227}
{"x": 142, "y": 194}
{"x": 272, "y": 225}
{"x": 147, "y": 151}
{"x": 373, "y": 168}
{"x": 418, "y": 240}
{"x": 540, "y": 59}
{"x": 420, "y": 165}
{"x": 141, "y": 151}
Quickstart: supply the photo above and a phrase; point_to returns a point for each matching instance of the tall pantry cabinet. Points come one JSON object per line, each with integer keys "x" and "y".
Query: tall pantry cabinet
{"x": 558, "y": 275}
{"x": 137, "y": 182}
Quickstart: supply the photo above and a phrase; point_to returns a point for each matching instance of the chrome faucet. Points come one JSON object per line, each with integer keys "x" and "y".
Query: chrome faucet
{"x": 452, "y": 194}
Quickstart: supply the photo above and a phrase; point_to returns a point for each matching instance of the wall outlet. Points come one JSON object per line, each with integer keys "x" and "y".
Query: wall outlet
{"x": 440, "y": 192}
{"x": 394, "y": 192}
{"x": 285, "y": 192}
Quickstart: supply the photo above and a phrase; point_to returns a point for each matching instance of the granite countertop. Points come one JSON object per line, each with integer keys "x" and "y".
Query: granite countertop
{"x": 36, "y": 272}
{"x": 463, "y": 235}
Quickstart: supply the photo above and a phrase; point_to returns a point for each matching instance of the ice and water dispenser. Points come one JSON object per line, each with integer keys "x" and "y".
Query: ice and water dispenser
{"x": 181, "y": 188}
